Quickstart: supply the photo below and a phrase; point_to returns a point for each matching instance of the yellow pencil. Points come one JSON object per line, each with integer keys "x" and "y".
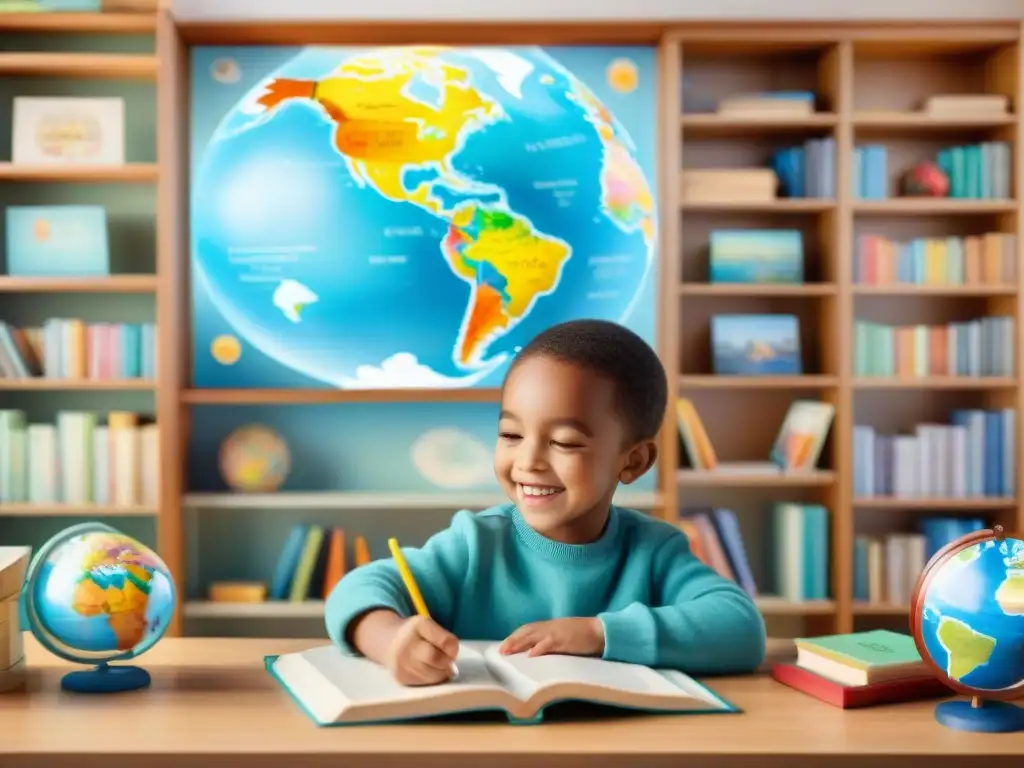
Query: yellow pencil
{"x": 412, "y": 587}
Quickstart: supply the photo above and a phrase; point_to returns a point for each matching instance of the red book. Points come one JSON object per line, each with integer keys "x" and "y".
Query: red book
{"x": 848, "y": 697}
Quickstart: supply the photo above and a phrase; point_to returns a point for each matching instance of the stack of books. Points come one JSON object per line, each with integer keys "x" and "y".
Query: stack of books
{"x": 79, "y": 460}
{"x": 973, "y": 456}
{"x": 989, "y": 259}
{"x": 767, "y": 105}
{"x": 860, "y": 670}
{"x": 73, "y": 349}
{"x": 729, "y": 185}
{"x": 981, "y": 347}
{"x": 886, "y": 569}
{"x": 13, "y": 566}
{"x": 978, "y": 105}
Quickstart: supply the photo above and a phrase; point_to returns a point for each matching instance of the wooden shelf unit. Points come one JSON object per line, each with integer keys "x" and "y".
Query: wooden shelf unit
{"x": 829, "y": 59}
{"x": 867, "y": 78}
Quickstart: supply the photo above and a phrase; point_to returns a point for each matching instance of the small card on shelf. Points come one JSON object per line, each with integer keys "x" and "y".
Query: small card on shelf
{"x": 68, "y": 130}
{"x": 57, "y": 241}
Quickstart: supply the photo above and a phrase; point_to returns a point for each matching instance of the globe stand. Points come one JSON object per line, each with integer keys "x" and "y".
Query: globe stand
{"x": 106, "y": 679}
{"x": 980, "y": 716}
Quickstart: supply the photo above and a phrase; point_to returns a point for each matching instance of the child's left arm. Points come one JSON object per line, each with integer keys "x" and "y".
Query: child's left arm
{"x": 702, "y": 622}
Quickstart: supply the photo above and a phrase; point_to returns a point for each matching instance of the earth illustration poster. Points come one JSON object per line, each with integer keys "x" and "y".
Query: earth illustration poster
{"x": 408, "y": 217}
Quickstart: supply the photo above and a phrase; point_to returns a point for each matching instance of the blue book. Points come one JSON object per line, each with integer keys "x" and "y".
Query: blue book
{"x": 756, "y": 345}
{"x": 815, "y": 552}
{"x": 57, "y": 241}
{"x": 338, "y": 689}
{"x": 756, "y": 256}
{"x": 131, "y": 361}
{"x": 993, "y": 453}
{"x": 281, "y": 582}
{"x": 728, "y": 529}
{"x": 860, "y": 569}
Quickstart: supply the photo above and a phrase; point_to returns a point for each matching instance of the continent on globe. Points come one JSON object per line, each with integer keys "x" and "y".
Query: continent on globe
{"x": 116, "y": 583}
{"x": 966, "y": 649}
{"x": 382, "y": 130}
{"x": 507, "y": 263}
{"x": 291, "y": 297}
{"x": 1010, "y": 595}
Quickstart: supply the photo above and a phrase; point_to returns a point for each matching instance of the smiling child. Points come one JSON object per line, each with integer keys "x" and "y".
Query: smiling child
{"x": 559, "y": 569}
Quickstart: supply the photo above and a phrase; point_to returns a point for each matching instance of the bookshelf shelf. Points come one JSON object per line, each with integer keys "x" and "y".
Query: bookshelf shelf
{"x": 314, "y": 609}
{"x": 713, "y": 125}
{"x": 937, "y": 383}
{"x": 939, "y": 291}
{"x": 310, "y": 396}
{"x": 75, "y": 385}
{"x": 919, "y": 122}
{"x": 780, "y": 205}
{"x": 795, "y": 291}
{"x": 73, "y": 510}
{"x": 692, "y": 478}
{"x": 711, "y": 381}
{"x": 936, "y": 505}
{"x": 879, "y": 609}
{"x": 109, "y": 284}
{"x": 86, "y": 174}
{"x": 365, "y": 501}
{"x": 934, "y": 207}
{"x": 79, "y": 23}
{"x": 79, "y": 65}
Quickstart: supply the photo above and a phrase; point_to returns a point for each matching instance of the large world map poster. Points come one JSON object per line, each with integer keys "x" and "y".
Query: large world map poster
{"x": 409, "y": 217}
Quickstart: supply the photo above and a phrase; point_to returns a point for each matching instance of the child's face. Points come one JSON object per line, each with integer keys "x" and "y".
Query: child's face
{"x": 562, "y": 449}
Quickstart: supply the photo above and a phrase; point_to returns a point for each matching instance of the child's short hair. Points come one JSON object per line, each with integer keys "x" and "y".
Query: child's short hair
{"x": 616, "y": 353}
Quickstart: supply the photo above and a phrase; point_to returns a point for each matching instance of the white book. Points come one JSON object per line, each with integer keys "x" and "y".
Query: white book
{"x": 334, "y": 688}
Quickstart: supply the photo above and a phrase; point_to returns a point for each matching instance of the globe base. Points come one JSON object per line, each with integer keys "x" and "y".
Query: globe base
{"x": 106, "y": 679}
{"x": 989, "y": 717}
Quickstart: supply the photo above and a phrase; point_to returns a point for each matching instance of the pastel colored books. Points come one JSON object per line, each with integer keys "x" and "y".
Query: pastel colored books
{"x": 861, "y": 658}
{"x": 988, "y": 259}
{"x": 333, "y": 688}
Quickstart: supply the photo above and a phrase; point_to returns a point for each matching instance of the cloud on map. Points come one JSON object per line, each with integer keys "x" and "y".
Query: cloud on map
{"x": 403, "y": 371}
{"x": 451, "y": 458}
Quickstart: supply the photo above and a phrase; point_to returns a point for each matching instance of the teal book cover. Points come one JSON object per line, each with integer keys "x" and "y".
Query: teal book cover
{"x": 333, "y": 689}
{"x": 756, "y": 256}
{"x": 410, "y": 217}
{"x": 57, "y": 241}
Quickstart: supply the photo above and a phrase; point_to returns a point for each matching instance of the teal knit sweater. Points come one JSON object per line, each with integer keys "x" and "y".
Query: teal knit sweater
{"x": 489, "y": 573}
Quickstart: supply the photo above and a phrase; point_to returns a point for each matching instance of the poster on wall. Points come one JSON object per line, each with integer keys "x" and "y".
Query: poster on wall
{"x": 410, "y": 217}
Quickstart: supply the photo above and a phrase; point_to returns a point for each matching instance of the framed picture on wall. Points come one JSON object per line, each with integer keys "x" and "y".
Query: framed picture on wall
{"x": 68, "y": 131}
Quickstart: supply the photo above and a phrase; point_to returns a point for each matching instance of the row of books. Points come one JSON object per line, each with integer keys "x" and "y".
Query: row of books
{"x": 74, "y": 349}
{"x": 312, "y": 560}
{"x": 808, "y": 170}
{"x": 973, "y": 456}
{"x": 977, "y": 171}
{"x": 79, "y": 460}
{"x": 989, "y": 259}
{"x": 886, "y": 569}
{"x": 983, "y": 347}
{"x": 799, "y": 549}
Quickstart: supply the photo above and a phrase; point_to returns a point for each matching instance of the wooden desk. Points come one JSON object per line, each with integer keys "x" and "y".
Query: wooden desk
{"x": 212, "y": 704}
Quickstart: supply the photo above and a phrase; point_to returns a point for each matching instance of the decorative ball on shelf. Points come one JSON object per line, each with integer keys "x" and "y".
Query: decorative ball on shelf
{"x": 93, "y": 595}
{"x": 254, "y": 459}
{"x": 925, "y": 180}
{"x": 967, "y": 619}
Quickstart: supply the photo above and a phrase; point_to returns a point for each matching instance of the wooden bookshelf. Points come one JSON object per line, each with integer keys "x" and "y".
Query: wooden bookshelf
{"x": 61, "y": 53}
{"x": 868, "y": 80}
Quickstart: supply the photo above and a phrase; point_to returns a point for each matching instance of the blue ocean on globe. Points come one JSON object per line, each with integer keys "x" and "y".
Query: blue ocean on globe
{"x": 972, "y": 619}
{"x": 334, "y": 234}
{"x": 98, "y": 595}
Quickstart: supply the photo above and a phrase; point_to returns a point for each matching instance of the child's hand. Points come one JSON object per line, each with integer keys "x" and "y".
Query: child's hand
{"x": 422, "y": 652}
{"x": 573, "y": 637}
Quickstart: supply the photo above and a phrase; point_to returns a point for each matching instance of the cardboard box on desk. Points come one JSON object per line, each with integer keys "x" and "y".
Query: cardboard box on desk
{"x": 13, "y": 568}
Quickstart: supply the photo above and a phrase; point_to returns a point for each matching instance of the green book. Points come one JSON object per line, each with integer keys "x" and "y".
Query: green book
{"x": 861, "y": 658}
{"x": 335, "y": 688}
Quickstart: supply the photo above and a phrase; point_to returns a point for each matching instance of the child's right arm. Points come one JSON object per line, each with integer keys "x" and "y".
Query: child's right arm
{"x": 369, "y": 606}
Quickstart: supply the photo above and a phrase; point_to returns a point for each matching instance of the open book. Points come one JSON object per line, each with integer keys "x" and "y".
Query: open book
{"x": 337, "y": 689}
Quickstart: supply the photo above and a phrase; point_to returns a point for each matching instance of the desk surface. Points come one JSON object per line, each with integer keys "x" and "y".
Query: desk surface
{"x": 212, "y": 703}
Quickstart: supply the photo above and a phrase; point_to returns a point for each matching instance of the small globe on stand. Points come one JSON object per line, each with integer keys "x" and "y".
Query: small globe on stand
{"x": 967, "y": 620}
{"x": 93, "y": 595}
